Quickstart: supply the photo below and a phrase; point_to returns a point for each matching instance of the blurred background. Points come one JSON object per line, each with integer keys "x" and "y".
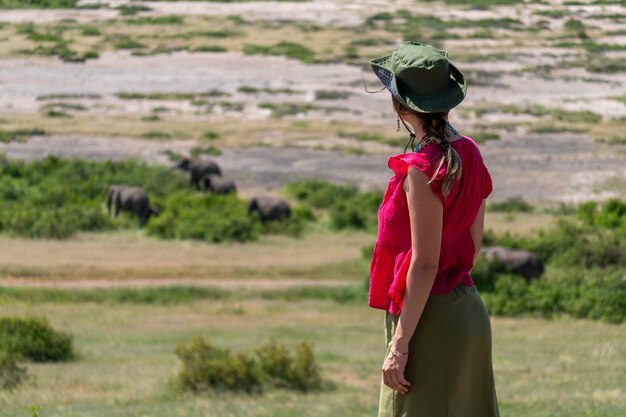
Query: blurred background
{"x": 189, "y": 196}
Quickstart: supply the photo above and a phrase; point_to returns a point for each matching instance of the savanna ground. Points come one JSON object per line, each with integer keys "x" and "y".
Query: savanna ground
{"x": 273, "y": 91}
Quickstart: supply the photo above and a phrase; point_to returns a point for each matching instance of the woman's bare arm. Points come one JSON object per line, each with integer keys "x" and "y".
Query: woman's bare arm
{"x": 426, "y": 218}
{"x": 476, "y": 230}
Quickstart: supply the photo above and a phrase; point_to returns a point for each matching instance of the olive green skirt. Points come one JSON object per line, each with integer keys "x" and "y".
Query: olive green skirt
{"x": 449, "y": 363}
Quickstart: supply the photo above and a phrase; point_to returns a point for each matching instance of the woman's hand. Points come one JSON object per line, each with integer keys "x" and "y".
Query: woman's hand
{"x": 393, "y": 372}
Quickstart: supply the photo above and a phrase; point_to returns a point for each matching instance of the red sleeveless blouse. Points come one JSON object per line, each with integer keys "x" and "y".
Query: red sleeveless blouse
{"x": 392, "y": 251}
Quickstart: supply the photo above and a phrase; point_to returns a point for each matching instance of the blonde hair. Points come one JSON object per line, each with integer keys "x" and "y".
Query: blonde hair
{"x": 435, "y": 125}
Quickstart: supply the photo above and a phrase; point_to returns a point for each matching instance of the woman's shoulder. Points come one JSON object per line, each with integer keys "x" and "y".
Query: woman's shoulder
{"x": 400, "y": 163}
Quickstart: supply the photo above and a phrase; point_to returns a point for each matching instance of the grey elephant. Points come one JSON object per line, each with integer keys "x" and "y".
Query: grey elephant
{"x": 197, "y": 168}
{"x": 129, "y": 198}
{"x": 218, "y": 185}
{"x": 269, "y": 208}
{"x": 517, "y": 261}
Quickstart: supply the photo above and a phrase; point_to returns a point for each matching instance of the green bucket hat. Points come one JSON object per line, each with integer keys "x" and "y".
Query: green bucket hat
{"x": 421, "y": 77}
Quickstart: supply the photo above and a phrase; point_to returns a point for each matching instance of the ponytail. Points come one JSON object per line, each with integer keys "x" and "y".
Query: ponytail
{"x": 435, "y": 126}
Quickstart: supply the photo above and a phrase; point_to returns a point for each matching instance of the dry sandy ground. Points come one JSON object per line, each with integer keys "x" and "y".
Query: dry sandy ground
{"x": 550, "y": 167}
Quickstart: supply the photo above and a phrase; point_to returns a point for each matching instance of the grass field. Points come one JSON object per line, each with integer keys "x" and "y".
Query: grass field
{"x": 542, "y": 368}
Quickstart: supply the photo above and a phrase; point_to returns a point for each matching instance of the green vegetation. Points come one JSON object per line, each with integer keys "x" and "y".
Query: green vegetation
{"x": 484, "y": 3}
{"x": 37, "y": 4}
{"x": 331, "y": 95}
{"x": 11, "y": 373}
{"x": 246, "y": 89}
{"x": 288, "y": 49}
{"x": 125, "y": 42}
{"x": 55, "y": 198}
{"x": 52, "y": 43}
{"x": 210, "y": 135}
{"x": 585, "y": 257}
{"x": 33, "y": 338}
{"x": 169, "y": 95}
{"x": 60, "y": 96}
{"x": 169, "y": 295}
{"x": 131, "y": 9}
{"x": 157, "y": 20}
{"x": 299, "y": 371}
{"x": 288, "y": 109}
{"x": 429, "y": 28}
{"x": 213, "y": 218}
{"x": 19, "y": 134}
{"x": 210, "y": 48}
{"x": 208, "y": 367}
{"x": 292, "y": 108}
{"x": 482, "y": 137}
{"x": 348, "y": 208}
{"x": 515, "y": 204}
{"x": 582, "y": 116}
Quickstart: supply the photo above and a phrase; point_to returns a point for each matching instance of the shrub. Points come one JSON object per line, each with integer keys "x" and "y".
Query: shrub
{"x": 209, "y": 217}
{"x": 33, "y": 338}
{"x": 348, "y": 207}
{"x": 37, "y": 4}
{"x": 357, "y": 212}
{"x": 291, "y": 226}
{"x": 11, "y": 373}
{"x": 284, "y": 370}
{"x": 318, "y": 193}
{"x": 288, "y": 49}
{"x": 611, "y": 215}
{"x": 207, "y": 367}
{"x": 511, "y": 296}
{"x": 55, "y": 198}
{"x": 515, "y": 204}
{"x": 484, "y": 273}
{"x": 305, "y": 372}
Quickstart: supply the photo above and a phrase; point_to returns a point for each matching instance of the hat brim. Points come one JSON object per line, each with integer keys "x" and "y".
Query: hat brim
{"x": 449, "y": 98}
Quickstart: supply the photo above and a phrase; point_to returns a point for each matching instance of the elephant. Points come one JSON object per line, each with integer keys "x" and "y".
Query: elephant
{"x": 129, "y": 198}
{"x": 269, "y": 208}
{"x": 517, "y": 261}
{"x": 218, "y": 185}
{"x": 197, "y": 168}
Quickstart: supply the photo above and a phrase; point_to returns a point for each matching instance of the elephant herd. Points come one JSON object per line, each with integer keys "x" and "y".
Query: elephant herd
{"x": 204, "y": 175}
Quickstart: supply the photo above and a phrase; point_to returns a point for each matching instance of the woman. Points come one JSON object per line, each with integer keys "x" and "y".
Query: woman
{"x": 430, "y": 225}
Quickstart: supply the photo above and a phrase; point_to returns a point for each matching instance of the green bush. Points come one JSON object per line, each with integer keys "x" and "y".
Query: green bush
{"x": 515, "y": 204}
{"x": 357, "y": 212}
{"x": 288, "y": 49}
{"x": 11, "y": 373}
{"x": 34, "y": 338}
{"x": 585, "y": 256}
{"x": 207, "y": 367}
{"x": 37, "y": 4}
{"x": 348, "y": 207}
{"x": 291, "y": 226}
{"x": 55, "y": 198}
{"x": 611, "y": 215}
{"x": 484, "y": 273}
{"x": 299, "y": 371}
{"x": 597, "y": 294}
{"x": 571, "y": 242}
{"x": 305, "y": 372}
{"x": 318, "y": 193}
{"x": 510, "y": 296}
{"x": 208, "y": 217}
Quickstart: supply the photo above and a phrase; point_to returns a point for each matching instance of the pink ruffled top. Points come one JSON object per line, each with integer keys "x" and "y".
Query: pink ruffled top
{"x": 392, "y": 250}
